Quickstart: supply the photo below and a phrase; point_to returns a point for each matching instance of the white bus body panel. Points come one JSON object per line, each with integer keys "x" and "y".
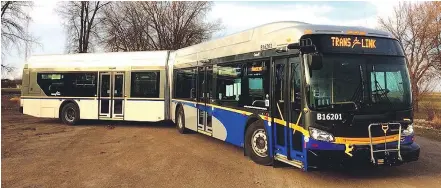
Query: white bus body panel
{"x": 49, "y": 108}
{"x": 143, "y": 110}
{"x": 31, "y": 107}
{"x": 191, "y": 117}
{"x": 219, "y": 130}
{"x": 88, "y": 109}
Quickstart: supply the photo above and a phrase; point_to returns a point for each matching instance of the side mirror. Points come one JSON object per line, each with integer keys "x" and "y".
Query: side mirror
{"x": 304, "y": 45}
{"x": 294, "y": 46}
{"x": 314, "y": 61}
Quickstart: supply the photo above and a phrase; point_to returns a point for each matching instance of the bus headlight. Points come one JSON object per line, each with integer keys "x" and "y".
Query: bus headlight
{"x": 408, "y": 131}
{"x": 318, "y": 134}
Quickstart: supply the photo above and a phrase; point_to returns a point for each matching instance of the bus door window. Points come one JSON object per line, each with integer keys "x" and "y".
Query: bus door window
{"x": 105, "y": 93}
{"x": 209, "y": 91}
{"x": 279, "y": 105}
{"x": 118, "y": 94}
{"x": 295, "y": 93}
{"x": 201, "y": 83}
{"x": 279, "y": 88}
{"x": 295, "y": 98}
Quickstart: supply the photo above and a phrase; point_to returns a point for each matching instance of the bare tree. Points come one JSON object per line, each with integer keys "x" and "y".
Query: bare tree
{"x": 15, "y": 18}
{"x": 81, "y": 23}
{"x": 417, "y": 26}
{"x": 160, "y": 25}
{"x": 125, "y": 27}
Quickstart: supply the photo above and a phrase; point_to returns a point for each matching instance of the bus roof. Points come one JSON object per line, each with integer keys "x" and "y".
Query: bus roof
{"x": 112, "y": 59}
{"x": 276, "y": 35}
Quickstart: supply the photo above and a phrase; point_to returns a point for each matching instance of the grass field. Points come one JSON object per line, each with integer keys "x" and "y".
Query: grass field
{"x": 432, "y": 101}
{"x": 429, "y": 133}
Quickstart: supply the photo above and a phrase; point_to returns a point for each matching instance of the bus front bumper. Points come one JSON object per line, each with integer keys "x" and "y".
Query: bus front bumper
{"x": 361, "y": 155}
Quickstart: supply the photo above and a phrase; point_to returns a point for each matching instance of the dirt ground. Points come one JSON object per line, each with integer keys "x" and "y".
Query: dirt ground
{"x": 45, "y": 153}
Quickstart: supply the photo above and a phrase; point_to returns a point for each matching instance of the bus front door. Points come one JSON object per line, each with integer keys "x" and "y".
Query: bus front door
{"x": 204, "y": 79}
{"x": 111, "y": 95}
{"x": 286, "y": 109}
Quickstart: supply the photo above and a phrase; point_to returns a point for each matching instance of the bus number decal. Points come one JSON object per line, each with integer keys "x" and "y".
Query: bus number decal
{"x": 266, "y": 46}
{"x": 329, "y": 117}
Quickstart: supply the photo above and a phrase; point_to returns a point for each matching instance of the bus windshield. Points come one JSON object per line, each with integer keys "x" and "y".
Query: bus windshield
{"x": 368, "y": 82}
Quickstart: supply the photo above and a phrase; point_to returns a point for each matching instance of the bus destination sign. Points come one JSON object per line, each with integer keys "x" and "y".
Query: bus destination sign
{"x": 351, "y": 42}
{"x": 356, "y": 44}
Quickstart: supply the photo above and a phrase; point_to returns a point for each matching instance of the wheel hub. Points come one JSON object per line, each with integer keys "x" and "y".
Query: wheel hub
{"x": 259, "y": 143}
{"x": 70, "y": 114}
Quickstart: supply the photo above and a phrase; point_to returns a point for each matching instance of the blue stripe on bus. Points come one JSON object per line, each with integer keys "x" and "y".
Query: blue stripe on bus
{"x": 233, "y": 122}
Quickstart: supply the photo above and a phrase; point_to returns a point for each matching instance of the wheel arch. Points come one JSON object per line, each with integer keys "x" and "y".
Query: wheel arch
{"x": 251, "y": 119}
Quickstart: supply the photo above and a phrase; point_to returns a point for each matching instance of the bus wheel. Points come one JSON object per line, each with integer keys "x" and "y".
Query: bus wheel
{"x": 70, "y": 114}
{"x": 180, "y": 121}
{"x": 256, "y": 143}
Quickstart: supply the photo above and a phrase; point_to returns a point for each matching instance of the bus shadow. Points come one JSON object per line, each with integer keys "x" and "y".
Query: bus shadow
{"x": 113, "y": 124}
{"x": 354, "y": 173}
{"x": 361, "y": 173}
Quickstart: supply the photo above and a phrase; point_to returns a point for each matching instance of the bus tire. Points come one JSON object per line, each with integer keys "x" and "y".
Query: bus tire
{"x": 256, "y": 143}
{"x": 70, "y": 114}
{"x": 180, "y": 121}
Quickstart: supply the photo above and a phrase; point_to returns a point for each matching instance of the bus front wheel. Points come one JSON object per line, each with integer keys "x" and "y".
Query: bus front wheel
{"x": 256, "y": 143}
{"x": 180, "y": 121}
{"x": 70, "y": 114}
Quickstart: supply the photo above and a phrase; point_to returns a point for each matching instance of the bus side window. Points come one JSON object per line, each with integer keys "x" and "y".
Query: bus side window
{"x": 82, "y": 84}
{"x": 229, "y": 84}
{"x": 256, "y": 80}
{"x": 145, "y": 84}
{"x": 185, "y": 87}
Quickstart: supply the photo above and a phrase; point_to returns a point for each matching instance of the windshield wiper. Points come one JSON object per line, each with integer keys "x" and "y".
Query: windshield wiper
{"x": 359, "y": 92}
{"x": 379, "y": 92}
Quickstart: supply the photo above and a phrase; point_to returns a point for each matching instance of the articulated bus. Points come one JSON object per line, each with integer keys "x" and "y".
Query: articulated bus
{"x": 105, "y": 86}
{"x": 306, "y": 95}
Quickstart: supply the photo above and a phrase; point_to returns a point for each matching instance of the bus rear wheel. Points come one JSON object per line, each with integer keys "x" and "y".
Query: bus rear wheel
{"x": 180, "y": 121}
{"x": 256, "y": 143}
{"x": 70, "y": 114}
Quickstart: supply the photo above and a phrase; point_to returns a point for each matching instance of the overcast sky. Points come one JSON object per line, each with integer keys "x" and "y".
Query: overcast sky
{"x": 235, "y": 16}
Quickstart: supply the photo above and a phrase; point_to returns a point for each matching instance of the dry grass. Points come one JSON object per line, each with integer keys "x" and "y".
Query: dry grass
{"x": 436, "y": 122}
{"x": 430, "y": 106}
{"x": 428, "y": 133}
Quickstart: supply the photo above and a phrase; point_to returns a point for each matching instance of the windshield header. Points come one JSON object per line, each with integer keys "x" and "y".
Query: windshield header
{"x": 356, "y": 44}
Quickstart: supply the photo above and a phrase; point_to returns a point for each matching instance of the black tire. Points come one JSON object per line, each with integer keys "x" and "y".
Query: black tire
{"x": 70, "y": 114}
{"x": 256, "y": 132}
{"x": 180, "y": 121}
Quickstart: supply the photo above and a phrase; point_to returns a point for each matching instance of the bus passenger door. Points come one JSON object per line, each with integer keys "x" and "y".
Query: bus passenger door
{"x": 205, "y": 77}
{"x": 118, "y": 96}
{"x": 286, "y": 108}
{"x": 104, "y": 95}
{"x": 111, "y": 95}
